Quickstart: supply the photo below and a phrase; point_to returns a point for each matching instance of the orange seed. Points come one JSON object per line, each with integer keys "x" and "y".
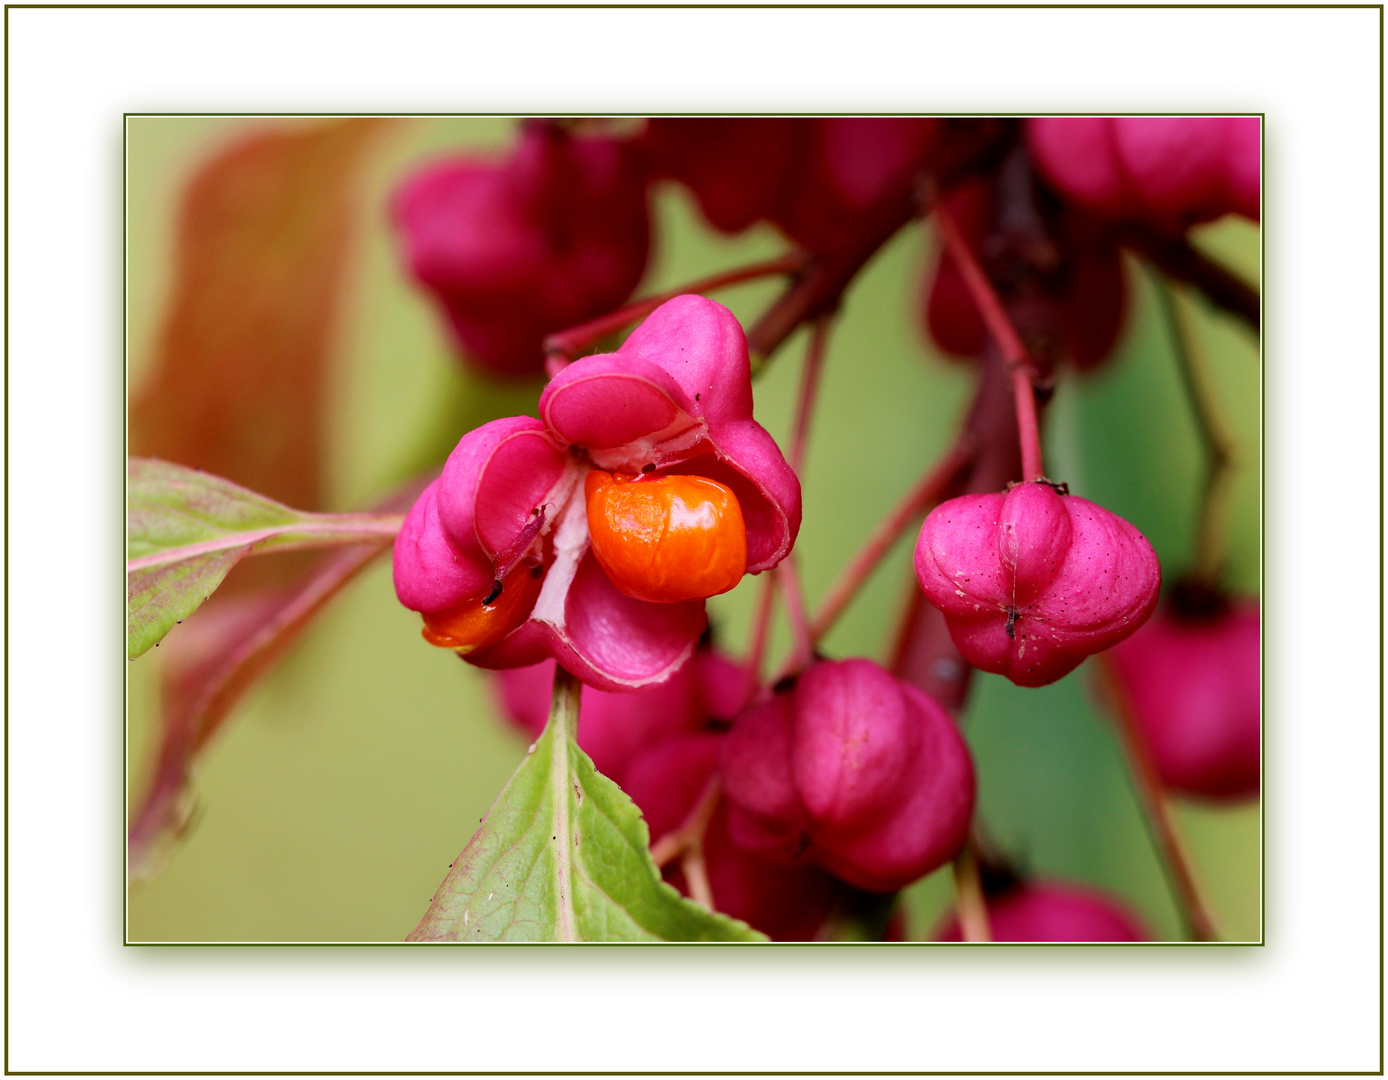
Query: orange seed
{"x": 666, "y": 538}
{"x": 475, "y": 623}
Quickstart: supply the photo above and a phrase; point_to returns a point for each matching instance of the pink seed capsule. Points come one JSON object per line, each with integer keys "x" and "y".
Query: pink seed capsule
{"x": 1053, "y": 911}
{"x": 1031, "y": 582}
{"x": 1167, "y": 172}
{"x": 514, "y": 248}
{"x": 853, "y": 770}
{"x": 1192, "y": 680}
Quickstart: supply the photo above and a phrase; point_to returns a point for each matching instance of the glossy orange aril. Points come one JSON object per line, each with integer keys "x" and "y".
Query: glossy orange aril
{"x": 666, "y": 538}
{"x": 485, "y": 620}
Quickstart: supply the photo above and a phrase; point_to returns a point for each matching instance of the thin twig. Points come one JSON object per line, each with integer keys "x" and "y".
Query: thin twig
{"x": 1161, "y": 822}
{"x": 1217, "y": 283}
{"x": 928, "y": 491}
{"x": 1212, "y": 521}
{"x": 691, "y": 830}
{"x": 566, "y": 343}
{"x": 696, "y": 876}
{"x": 969, "y": 900}
{"x": 822, "y": 284}
{"x": 761, "y": 631}
{"x": 802, "y": 641}
{"x": 809, "y": 388}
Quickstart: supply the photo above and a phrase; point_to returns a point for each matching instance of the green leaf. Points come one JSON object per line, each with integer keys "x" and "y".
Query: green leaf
{"x": 186, "y": 529}
{"x": 563, "y": 855}
{"x": 160, "y": 598}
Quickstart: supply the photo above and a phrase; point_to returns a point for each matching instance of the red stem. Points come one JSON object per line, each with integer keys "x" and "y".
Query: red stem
{"x": 567, "y": 342}
{"x": 1004, "y": 334}
{"x": 824, "y": 280}
{"x": 761, "y": 626}
{"x": 809, "y": 388}
{"x": 802, "y": 648}
{"x": 1161, "y": 822}
{"x": 928, "y": 491}
{"x": 1028, "y": 428}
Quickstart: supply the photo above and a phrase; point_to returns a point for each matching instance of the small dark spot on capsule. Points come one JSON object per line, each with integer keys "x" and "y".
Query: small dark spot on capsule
{"x": 696, "y": 397}
{"x": 536, "y": 570}
{"x": 649, "y": 467}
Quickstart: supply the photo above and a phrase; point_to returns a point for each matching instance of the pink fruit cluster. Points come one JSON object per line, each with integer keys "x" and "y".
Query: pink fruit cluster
{"x": 1192, "y": 680}
{"x": 1032, "y": 581}
{"x": 851, "y": 769}
{"x": 1169, "y": 172}
{"x": 517, "y": 247}
{"x": 813, "y": 178}
{"x": 851, "y": 778}
{"x": 845, "y": 780}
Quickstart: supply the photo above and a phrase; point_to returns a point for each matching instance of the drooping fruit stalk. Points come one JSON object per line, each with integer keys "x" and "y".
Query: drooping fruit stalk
{"x": 566, "y": 343}
{"x": 1212, "y": 517}
{"x": 1004, "y": 335}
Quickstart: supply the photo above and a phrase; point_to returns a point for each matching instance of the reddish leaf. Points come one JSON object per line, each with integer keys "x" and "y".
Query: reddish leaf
{"x": 214, "y": 659}
{"x": 237, "y": 382}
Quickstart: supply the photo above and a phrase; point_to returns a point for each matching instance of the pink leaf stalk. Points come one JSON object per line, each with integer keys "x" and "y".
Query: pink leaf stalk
{"x": 1031, "y": 582}
{"x": 1053, "y": 911}
{"x": 1192, "y": 681}
{"x": 853, "y": 770}
{"x": 1168, "y": 172}
{"x": 513, "y": 249}
{"x": 676, "y": 398}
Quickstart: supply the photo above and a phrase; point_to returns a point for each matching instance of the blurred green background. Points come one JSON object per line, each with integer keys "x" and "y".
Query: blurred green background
{"x": 330, "y": 806}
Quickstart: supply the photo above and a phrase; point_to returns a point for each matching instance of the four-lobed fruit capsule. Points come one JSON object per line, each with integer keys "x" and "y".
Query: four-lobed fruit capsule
{"x": 1032, "y": 581}
{"x": 854, "y": 770}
